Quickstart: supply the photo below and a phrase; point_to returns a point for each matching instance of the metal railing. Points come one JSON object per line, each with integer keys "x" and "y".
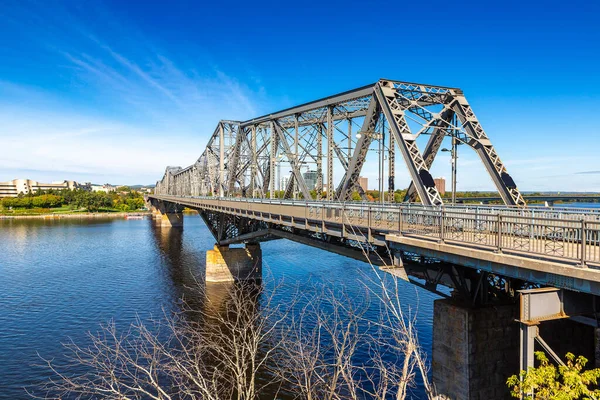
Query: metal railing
{"x": 557, "y": 234}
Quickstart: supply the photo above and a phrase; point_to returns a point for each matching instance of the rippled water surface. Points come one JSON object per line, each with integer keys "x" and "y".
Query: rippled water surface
{"x": 61, "y": 279}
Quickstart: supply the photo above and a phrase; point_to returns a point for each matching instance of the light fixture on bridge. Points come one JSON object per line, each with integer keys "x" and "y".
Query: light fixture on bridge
{"x": 453, "y": 156}
{"x": 358, "y": 135}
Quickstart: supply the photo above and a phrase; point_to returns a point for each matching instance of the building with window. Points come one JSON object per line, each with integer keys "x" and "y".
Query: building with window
{"x": 285, "y": 180}
{"x": 27, "y": 186}
{"x": 106, "y": 188}
{"x": 310, "y": 177}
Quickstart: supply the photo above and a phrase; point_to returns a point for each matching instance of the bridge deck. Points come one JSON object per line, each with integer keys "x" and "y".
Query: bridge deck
{"x": 563, "y": 245}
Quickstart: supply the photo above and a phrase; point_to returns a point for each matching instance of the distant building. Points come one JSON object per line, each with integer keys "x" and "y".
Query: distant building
{"x": 364, "y": 183}
{"x": 284, "y": 182}
{"x": 440, "y": 185}
{"x": 27, "y": 186}
{"x": 310, "y": 177}
{"x": 106, "y": 188}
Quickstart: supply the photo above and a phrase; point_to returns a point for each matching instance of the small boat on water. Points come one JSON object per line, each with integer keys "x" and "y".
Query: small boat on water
{"x": 134, "y": 217}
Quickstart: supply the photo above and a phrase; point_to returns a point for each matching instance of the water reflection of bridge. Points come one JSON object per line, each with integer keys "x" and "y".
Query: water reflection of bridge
{"x": 486, "y": 255}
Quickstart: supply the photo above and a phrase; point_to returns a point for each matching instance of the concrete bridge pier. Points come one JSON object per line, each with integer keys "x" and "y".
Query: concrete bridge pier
{"x": 475, "y": 350}
{"x": 171, "y": 219}
{"x": 228, "y": 264}
{"x": 167, "y": 215}
{"x": 155, "y": 213}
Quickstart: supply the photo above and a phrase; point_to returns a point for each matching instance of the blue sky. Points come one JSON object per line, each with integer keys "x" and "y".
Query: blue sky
{"x": 113, "y": 91}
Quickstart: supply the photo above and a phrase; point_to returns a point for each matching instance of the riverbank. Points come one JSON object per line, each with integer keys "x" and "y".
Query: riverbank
{"x": 79, "y": 215}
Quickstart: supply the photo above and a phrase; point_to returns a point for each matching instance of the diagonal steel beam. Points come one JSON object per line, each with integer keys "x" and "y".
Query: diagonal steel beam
{"x": 292, "y": 158}
{"x": 350, "y": 179}
{"x": 484, "y": 148}
{"x": 432, "y": 148}
{"x": 232, "y": 165}
{"x": 394, "y": 113}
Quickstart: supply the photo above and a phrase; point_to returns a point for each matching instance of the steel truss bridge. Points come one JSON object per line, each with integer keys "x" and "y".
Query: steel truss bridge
{"x": 482, "y": 252}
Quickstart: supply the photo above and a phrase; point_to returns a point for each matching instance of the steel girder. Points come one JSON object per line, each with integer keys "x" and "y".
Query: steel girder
{"x": 394, "y": 112}
{"x": 355, "y": 165}
{"x": 483, "y": 146}
{"x": 293, "y": 159}
{"x": 243, "y": 158}
{"x": 226, "y": 226}
{"x": 431, "y": 149}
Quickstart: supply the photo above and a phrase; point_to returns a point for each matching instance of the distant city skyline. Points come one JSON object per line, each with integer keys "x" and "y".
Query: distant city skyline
{"x": 108, "y": 91}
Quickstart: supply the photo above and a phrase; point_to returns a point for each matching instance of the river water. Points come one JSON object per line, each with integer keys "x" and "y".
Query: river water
{"x": 61, "y": 279}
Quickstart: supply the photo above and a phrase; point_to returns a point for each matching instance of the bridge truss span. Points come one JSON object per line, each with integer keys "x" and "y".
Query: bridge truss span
{"x": 547, "y": 249}
{"x": 485, "y": 255}
{"x": 324, "y": 144}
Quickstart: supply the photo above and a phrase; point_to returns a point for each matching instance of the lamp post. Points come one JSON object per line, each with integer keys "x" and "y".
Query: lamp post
{"x": 454, "y": 156}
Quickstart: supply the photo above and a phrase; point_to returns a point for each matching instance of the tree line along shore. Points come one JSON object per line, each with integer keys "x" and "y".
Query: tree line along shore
{"x": 77, "y": 201}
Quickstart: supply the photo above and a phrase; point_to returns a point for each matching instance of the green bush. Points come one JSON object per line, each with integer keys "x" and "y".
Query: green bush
{"x": 567, "y": 382}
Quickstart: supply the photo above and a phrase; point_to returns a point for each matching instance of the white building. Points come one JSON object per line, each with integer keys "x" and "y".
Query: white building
{"x": 106, "y": 188}
{"x": 284, "y": 182}
{"x": 26, "y": 186}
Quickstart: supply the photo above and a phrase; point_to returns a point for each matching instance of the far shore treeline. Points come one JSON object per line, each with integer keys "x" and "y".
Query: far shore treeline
{"x": 123, "y": 199}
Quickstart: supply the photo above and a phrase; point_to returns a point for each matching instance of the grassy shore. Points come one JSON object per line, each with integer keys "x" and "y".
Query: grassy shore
{"x": 65, "y": 211}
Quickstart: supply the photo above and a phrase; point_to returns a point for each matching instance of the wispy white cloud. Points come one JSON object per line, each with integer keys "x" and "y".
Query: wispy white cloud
{"x": 129, "y": 108}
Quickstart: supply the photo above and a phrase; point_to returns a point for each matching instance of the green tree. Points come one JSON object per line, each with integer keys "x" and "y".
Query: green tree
{"x": 398, "y": 197}
{"x": 47, "y": 201}
{"x": 135, "y": 203}
{"x": 567, "y": 382}
{"x": 356, "y": 196}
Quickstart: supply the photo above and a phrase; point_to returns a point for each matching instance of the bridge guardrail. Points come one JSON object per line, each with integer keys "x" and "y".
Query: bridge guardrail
{"x": 569, "y": 236}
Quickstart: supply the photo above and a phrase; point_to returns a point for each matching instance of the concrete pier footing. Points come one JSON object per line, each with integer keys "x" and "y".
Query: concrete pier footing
{"x": 474, "y": 350}
{"x": 225, "y": 264}
{"x": 167, "y": 219}
{"x": 171, "y": 220}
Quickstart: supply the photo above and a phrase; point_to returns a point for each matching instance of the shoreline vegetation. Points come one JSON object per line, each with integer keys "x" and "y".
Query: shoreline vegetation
{"x": 72, "y": 215}
{"x": 79, "y": 203}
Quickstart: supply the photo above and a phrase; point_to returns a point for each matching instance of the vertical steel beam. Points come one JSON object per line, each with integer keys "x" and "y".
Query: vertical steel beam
{"x": 296, "y": 158}
{"x": 254, "y": 162}
{"x": 234, "y": 157}
{"x": 527, "y": 336}
{"x": 381, "y": 161}
{"x": 349, "y": 140}
{"x": 319, "y": 130}
{"x": 391, "y": 167}
{"x": 221, "y": 159}
{"x": 273, "y": 160}
{"x": 330, "y": 190}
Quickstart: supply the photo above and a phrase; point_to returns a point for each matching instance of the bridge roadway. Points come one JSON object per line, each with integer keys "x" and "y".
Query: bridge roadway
{"x": 555, "y": 247}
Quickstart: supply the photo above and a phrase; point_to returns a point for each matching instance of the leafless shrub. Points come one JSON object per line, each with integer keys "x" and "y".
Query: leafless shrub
{"x": 240, "y": 344}
{"x": 334, "y": 350}
{"x": 217, "y": 355}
